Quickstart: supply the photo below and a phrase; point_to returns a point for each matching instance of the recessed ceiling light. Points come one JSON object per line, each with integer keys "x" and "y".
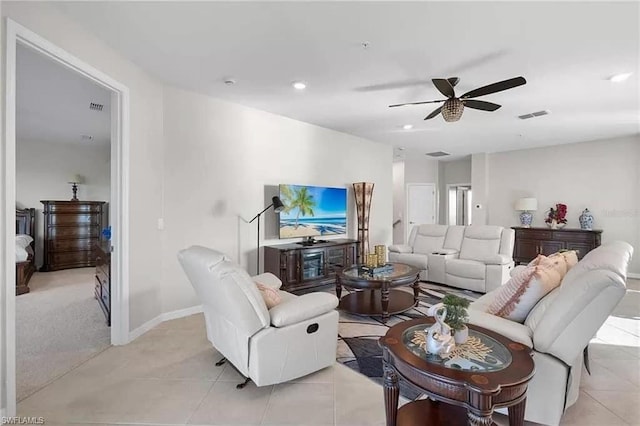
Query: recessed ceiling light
{"x": 407, "y": 126}
{"x": 230, "y": 81}
{"x": 618, "y": 78}
{"x": 299, "y": 85}
{"x": 401, "y": 148}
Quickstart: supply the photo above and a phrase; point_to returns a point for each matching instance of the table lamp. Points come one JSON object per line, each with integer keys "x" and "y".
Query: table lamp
{"x": 526, "y": 206}
{"x": 74, "y": 181}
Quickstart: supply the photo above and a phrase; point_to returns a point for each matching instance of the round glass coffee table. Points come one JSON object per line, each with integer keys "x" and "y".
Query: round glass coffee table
{"x": 488, "y": 371}
{"x": 376, "y": 295}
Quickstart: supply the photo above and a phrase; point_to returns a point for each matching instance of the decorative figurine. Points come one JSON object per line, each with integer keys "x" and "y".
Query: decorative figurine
{"x": 439, "y": 338}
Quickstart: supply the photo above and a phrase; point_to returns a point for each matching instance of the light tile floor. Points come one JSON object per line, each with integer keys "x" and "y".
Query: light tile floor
{"x": 168, "y": 376}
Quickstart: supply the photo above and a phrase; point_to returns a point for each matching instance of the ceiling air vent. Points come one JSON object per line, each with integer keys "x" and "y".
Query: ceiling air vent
{"x": 95, "y": 107}
{"x": 437, "y": 154}
{"x": 534, "y": 114}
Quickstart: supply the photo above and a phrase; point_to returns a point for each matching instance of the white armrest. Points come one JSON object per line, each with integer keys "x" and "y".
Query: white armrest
{"x": 510, "y": 329}
{"x": 496, "y": 259}
{"x": 268, "y": 279}
{"x": 302, "y": 308}
{"x": 401, "y": 248}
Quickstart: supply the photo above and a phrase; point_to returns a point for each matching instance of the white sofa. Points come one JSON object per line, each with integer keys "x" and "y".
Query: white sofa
{"x": 477, "y": 258}
{"x": 561, "y": 325}
{"x": 290, "y": 340}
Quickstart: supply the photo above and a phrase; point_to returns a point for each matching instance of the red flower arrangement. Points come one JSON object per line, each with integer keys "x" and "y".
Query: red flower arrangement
{"x": 559, "y": 214}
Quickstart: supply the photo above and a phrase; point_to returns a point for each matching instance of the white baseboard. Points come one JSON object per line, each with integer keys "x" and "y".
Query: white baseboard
{"x": 180, "y": 313}
{"x": 633, "y": 275}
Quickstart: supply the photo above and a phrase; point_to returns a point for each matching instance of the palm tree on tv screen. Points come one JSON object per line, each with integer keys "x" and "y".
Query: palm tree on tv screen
{"x": 300, "y": 199}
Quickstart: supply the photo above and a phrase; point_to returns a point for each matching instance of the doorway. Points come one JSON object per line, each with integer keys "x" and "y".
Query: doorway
{"x": 459, "y": 204}
{"x": 421, "y": 205}
{"x": 17, "y": 35}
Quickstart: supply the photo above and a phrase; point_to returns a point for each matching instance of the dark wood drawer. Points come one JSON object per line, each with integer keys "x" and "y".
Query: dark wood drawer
{"x": 536, "y": 234}
{"x": 74, "y": 207}
{"x": 71, "y": 259}
{"x": 56, "y": 232}
{"x": 72, "y": 244}
{"x": 76, "y": 220}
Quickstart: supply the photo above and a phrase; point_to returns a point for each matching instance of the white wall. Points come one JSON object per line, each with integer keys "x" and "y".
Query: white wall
{"x": 480, "y": 189}
{"x": 43, "y": 170}
{"x": 452, "y": 172}
{"x": 603, "y": 176}
{"x": 398, "y": 202}
{"x": 223, "y": 163}
{"x": 146, "y": 150}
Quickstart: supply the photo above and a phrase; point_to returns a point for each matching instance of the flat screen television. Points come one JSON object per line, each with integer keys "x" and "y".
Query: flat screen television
{"x": 312, "y": 211}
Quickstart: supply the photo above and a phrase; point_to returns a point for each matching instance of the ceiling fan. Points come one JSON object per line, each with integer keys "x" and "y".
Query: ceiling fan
{"x": 454, "y": 106}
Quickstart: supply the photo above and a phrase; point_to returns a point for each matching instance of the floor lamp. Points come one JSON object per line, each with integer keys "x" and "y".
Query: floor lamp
{"x": 277, "y": 205}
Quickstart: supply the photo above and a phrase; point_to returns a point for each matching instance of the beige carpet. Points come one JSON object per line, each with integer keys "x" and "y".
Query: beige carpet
{"x": 59, "y": 325}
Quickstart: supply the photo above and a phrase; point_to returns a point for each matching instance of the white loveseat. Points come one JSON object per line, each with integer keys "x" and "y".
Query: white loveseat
{"x": 477, "y": 258}
{"x": 290, "y": 340}
{"x": 561, "y": 325}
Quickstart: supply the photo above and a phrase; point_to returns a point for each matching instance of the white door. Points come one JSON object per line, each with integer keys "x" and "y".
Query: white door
{"x": 421, "y": 205}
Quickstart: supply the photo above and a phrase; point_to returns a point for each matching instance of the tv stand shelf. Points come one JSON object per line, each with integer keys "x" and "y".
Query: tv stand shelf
{"x": 300, "y": 266}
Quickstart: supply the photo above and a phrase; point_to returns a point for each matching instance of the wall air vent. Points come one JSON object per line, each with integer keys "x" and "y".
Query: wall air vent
{"x": 95, "y": 107}
{"x": 437, "y": 154}
{"x": 534, "y": 114}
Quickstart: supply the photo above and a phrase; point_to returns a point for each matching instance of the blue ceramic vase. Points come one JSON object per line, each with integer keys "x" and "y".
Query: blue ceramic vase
{"x": 586, "y": 220}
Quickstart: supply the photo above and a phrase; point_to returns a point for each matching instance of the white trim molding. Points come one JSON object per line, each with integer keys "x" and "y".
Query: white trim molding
{"x": 167, "y": 316}
{"x": 14, "y": 34}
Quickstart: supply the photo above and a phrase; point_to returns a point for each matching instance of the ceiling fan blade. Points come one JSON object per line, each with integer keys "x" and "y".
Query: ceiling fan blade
{"x": 434, "y": 113}
{"x": 416, "y": 103}
{"x": 453, "y": 81}
{"x": 483, "y": 105}
{"x": 495, "y": 87}
{"x": 444, "y": 86}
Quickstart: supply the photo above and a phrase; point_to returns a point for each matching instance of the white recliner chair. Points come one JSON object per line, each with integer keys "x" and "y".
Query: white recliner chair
{"x": 292, "y": 339}
{"x": 561, "y": 325}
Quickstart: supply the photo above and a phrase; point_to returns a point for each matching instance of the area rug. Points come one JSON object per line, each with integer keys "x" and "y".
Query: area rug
{"x": 358, "y": 335}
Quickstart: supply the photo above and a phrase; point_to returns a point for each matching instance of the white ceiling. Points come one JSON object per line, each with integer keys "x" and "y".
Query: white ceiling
{"x": 53, "y": 103}
{"x": 565, "y": 50}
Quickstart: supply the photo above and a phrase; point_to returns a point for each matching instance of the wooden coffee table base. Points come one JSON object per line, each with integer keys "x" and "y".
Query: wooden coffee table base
{"x": 369, "y": 302}
{"x": 428, "y": 412}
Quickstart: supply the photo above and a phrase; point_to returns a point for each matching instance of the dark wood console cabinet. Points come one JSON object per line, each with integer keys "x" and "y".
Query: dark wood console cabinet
{"x": 530, "y": 242}
{"x": 71, "y": 231}
{"x": 301, "y": 267}
{"x": 103, "y": 278}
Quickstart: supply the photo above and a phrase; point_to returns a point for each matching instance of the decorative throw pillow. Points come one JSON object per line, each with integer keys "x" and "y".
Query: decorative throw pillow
{"x": 270, "y": 295}
{"x": 569, "y": 256}
{"x": 515, "y": 299}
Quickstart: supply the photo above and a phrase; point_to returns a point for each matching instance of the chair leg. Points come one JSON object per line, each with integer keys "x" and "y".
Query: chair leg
{"x": 243, "y": 384}
{"x": 585, "y": 356}
{"x": 222, "y": 361}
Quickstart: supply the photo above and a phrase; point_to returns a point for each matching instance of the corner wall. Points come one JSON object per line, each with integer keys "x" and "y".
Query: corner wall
{"x": 602, "y": 175}
{"x": 223, "y": 164}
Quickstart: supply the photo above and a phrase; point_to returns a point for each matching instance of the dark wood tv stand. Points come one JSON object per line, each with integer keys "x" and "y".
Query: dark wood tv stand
{"x": 300, "y": 266}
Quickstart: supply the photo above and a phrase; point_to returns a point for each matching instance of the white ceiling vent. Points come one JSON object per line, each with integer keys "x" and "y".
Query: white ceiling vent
{"x": 95, "y": 107}
{"x": 437, "y": 154}
{"x": 534, "y": 114}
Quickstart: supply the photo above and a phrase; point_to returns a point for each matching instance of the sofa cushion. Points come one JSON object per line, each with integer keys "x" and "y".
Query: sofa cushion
{"x": 466, "y": 268}
{"x": 429, "y": 238}
{"x": 302, "y": 308}
{"x": 509, "y": 329}
{"x": 480, "y": 241}
{"x": 521, "y": 293}
{"x": 536, "y": 314}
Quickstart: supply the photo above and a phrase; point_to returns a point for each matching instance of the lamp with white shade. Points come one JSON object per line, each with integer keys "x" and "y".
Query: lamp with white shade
{"x": 74, "y": 181}
{"x": 526, "y": 206}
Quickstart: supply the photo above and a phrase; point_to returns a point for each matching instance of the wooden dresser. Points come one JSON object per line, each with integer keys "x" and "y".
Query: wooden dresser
{"x": 530, "y": 242}
{"x": 71, "y": 232}
{"x": 103, "y": 278}
{"x": 300, "y": 267}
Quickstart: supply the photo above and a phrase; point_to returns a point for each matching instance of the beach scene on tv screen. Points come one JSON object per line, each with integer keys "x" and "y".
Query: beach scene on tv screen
{"x": 312, "y": 211}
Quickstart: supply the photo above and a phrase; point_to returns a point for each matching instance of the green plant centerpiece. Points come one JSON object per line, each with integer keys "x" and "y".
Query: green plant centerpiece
{"x": 457, "y": 316}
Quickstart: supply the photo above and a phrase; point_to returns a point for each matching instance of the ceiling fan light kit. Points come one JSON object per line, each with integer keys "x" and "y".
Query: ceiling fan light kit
{"x": 452, "y": 110}
{"x": 453, "y": 106}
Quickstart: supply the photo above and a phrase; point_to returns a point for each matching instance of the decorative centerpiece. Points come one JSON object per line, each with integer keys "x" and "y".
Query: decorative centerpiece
{"x": 586, "y": 220}
{"x": 439, "y": 340}
{"x": 457, "y": 316}
{"x": 557, "y": 218}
